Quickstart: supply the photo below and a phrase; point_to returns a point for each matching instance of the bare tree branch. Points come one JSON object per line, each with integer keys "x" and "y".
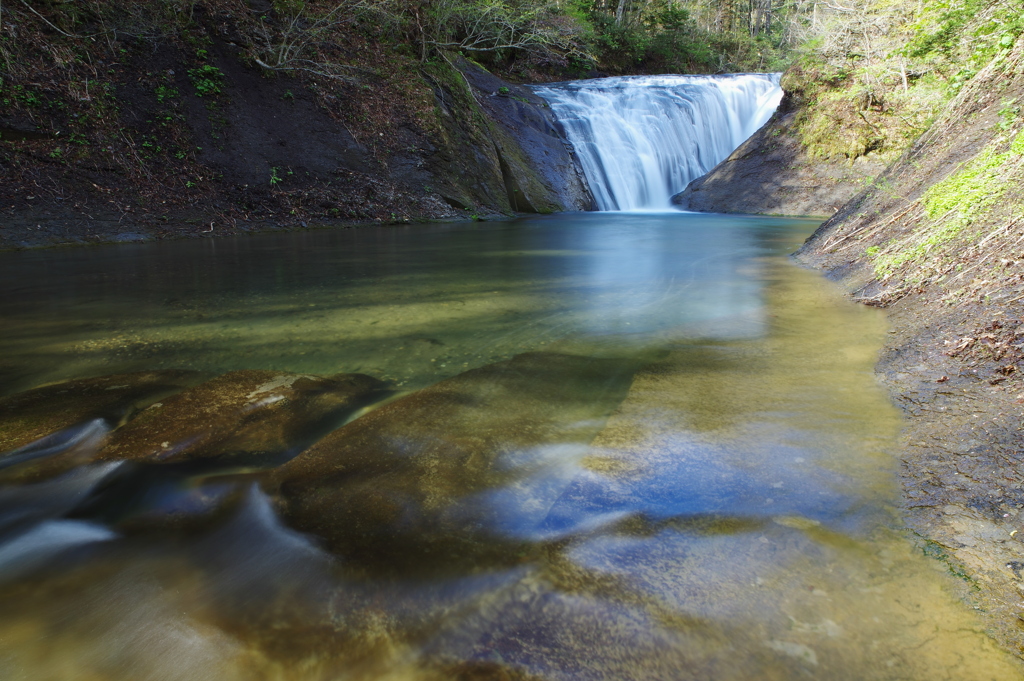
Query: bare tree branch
{"x": 62, "y": 32}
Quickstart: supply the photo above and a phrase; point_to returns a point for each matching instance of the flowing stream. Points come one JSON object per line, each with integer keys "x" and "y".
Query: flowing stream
{"x": 596, "y": 446}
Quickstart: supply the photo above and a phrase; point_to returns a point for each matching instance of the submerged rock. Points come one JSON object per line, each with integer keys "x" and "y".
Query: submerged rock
{"x": 261, "y": 413}
{"x": 55, "y": 418}
{"x": 407, "y": 485}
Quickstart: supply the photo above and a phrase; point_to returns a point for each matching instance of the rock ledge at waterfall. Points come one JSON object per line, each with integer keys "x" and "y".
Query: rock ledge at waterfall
{"x": 773, "y": 174}
{"x": 642, "y": 138}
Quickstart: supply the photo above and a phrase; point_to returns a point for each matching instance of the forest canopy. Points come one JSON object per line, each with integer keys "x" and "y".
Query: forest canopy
{"x": 563, "y": 37}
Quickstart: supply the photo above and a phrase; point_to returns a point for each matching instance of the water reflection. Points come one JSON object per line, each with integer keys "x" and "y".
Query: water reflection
{"x": 413, "y": 304}
{"x": 695, "y": 485}
{"x": 639, "y": 281}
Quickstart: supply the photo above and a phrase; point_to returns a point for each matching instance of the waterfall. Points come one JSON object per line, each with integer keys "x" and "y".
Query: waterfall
{"x": 642, "y": 139}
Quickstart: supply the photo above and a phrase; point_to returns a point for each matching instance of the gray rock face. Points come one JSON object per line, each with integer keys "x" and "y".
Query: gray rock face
{"x": 539, "y": 168}
{"x": 481, "y": 147}
{"x": 502, "y": 148}
{"x": 272, "y": 123}
{"x": 772, "y": 174}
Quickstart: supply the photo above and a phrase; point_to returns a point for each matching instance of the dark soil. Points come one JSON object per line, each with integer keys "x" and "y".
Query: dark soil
{"x": 145, "y": 154}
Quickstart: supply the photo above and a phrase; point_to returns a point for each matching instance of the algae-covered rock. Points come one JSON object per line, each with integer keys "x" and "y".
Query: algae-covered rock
{"x": 407, "y": 485}
{"x": 264, "y": 413}
{"x": 500, "y": 147}
{"x": 30, "y": 416}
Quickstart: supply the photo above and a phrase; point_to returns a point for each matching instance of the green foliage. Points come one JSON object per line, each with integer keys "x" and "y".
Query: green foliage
{"x": 951, "y": 205}
{"x": 875, "y": 79}
{"x": 970, "y": 189}
{"x": 620, "y": 45}
{"x": 22, "y": 95}
{"x": 164, "y": 93}
{"x": 290, "y": 7}
{"x": 668, "y": 36}
{"x": 896, "y": 255}
{"x": 207, "y": 80}
{"x": 1017, "y": 145}
{"x": 961, "y": 36}
{"x": 940, "y": 26}
{"x": 1008, "y": 114}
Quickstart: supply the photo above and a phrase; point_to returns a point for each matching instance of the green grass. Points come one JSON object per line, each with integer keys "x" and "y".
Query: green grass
{"x": 971, "y": 189}
{"x": 207, "y": 80}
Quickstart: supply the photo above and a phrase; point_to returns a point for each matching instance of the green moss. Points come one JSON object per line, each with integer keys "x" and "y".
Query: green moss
{"x": 1008, "y": 114}
{"x": 934, "y": 236}
{"x": 1017, "y": 145}
{"x": 858, "y": 108}
{"x": 934, "y": 550}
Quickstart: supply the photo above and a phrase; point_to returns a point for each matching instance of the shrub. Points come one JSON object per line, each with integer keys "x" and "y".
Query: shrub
{"x": 207, "y": 80}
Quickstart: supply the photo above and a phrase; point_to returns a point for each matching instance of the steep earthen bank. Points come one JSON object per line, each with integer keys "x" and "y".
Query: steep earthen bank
{"x": 151, "y": 138}
{"x": 937, "y": 239}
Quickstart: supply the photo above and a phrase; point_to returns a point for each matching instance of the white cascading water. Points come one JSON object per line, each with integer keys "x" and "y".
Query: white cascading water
{"x": 642, "y": 139}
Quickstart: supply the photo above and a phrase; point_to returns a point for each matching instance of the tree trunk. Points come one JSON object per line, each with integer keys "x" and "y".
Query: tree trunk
{"x": 619, "y": 12}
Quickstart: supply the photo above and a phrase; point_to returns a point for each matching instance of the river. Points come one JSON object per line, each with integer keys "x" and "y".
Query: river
{"x": 604, "y": 446}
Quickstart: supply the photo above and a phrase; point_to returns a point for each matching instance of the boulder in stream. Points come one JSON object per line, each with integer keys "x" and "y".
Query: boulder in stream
{"x": 262, "y": 414}
{"x": 410, "y": 486}
{"x": 76, "y": 415}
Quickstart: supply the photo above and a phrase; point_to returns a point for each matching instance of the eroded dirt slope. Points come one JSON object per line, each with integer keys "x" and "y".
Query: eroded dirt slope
{"x": 130, "y": 137}
{"x": 938, "y": 240}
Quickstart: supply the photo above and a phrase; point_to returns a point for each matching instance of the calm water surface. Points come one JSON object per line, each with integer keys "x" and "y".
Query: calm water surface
{"x": 728, "y": 515}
